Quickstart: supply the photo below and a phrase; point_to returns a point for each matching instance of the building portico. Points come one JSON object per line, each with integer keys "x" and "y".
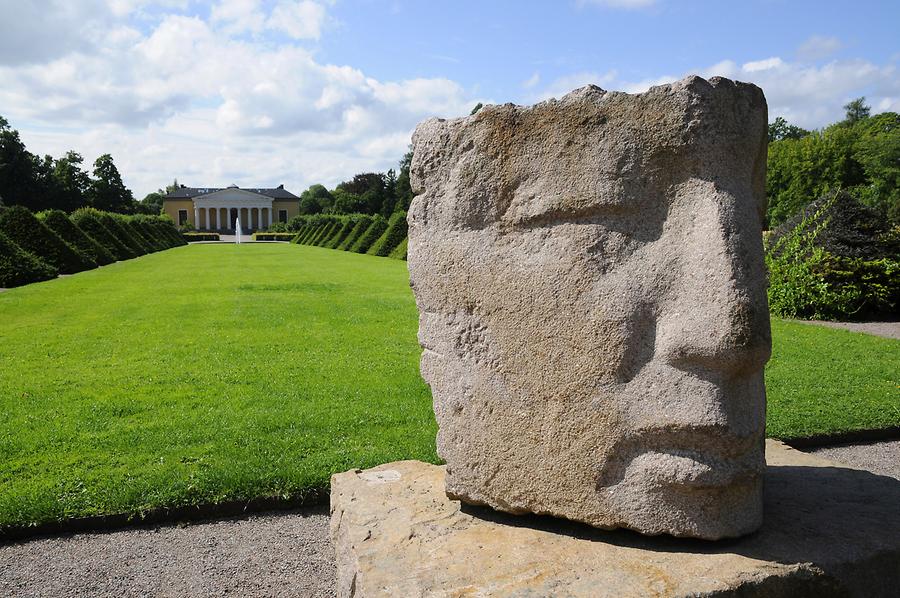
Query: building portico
{"x": 218, "y": 209}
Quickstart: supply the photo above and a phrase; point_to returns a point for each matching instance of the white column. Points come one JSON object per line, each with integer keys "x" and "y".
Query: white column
{"x": 196, "y": 218}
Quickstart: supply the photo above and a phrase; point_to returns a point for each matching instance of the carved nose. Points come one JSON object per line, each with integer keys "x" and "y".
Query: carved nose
{"x": 715, "y": 316}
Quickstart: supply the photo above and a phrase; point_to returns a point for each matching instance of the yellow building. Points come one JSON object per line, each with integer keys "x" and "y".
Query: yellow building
{"x": 216, "y": 208}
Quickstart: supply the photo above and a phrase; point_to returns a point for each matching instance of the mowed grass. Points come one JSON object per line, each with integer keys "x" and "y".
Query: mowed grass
{"x": 218, "y": 372}
{"x": 202, "y": 374}
{"x": 822, "y": 381}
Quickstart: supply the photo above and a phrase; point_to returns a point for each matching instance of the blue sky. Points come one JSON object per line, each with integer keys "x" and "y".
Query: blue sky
{"x": 262, "y": 92}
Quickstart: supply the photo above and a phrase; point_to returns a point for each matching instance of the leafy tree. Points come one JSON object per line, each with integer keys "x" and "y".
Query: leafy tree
{"x": 315, "y": 200}
{"x": 153, "y": 203}
{"x": 856, "y": 111}
{"x": 107, "y": 191}
{"x": 404, "y": 191}
{"x": 71, "y": 182}
{"x": 346, "y": 202}
{"x": 781, "y": 129}
{"x": 389, "y": 203}
{"x": 18, "y": 183}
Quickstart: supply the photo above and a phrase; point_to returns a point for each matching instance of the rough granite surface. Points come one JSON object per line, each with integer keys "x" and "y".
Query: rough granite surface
{"x": 590, "y": 282}
{"x": 830, "y": 530}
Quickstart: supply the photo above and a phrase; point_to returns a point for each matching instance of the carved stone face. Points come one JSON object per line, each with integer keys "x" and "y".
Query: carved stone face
{"x": 591, "y": 290}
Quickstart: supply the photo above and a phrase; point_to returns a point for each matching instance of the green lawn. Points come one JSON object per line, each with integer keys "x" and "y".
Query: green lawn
{"x": 823, "y": 381}
{"x": 217, "y": 372}
{"x": 205, "y": 373}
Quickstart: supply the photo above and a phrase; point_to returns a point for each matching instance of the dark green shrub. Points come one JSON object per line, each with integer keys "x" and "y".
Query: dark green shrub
{"x": 166, "y": 228}
{"x": 32, "y": 235}
{"x": 375, "y": 230}
{"x": 327, "y": 231}
{"x": 854, "y": 230}
{"x": 58, "y": 222}
{"x": 160, "y": 242}
{"x": 146, "y": 243}
{"x": 361, "y": 226}
{"x": 399, "y": 252}
{"x": 122, "y": 233}
{"x": 193, "y": 237}
{"x": 87, "y": 219}
{"x": 392, "y": 236}
{"x": 270, "y": 236}
{"x": 808, "y": 281}
{"x": 333, "y": 232}
{"x": 338, "y": 238}
{"x": 18, "y": 267}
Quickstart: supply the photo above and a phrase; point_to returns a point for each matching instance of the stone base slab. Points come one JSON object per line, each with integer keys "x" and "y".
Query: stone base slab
{"x": 830, "y": 530}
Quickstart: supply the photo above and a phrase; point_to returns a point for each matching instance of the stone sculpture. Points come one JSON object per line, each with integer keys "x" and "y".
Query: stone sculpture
{"x": 591, "y": 289}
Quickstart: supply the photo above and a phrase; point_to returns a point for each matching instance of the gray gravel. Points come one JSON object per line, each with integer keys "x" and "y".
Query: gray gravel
{"x": 885, "y": 329}
{"x": 275, "y": 554}
{"x": 878, "y": 457}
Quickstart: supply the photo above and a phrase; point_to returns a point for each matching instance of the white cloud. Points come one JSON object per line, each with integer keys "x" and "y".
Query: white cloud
{"x": 818, "y": 47}
{"x": 805, "y": 95}
{"x": 532, "y": 81}
{"x": 206, "y": 103}
{"x": 300, "y": 20}
{"x": 762, "y": 65}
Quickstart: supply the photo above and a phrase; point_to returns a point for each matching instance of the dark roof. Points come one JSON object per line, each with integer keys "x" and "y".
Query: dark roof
{"x": 190, "y": 192}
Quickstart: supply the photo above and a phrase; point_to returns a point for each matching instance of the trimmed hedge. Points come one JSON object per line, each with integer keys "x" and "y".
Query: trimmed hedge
{"x": 375, "y": 230}
{"x": 399, "y": 253}
{"x": 122, "y": 234}
{"x": 392, "y": 236}
{"x": 270, "y": 236}
{"x": 145, "y": 234}
{"x": 355, "y": 233}
{"x": 88, "y": 220}
{"x": 165, "y": 228}
{"x": 334, "y": 232}
{"x": 342, "y": 233}
{"x": 18, "y": 267}
{"x": 58, "y": 222}
{"x": 32, "y": 235}
{"x": 193, "y": 237}
{"x": 146, "y": 244}
{"x": 327, "y": 231}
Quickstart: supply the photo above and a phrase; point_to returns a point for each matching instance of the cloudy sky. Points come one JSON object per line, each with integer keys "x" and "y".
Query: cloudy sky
{"x": 263, "y": 92}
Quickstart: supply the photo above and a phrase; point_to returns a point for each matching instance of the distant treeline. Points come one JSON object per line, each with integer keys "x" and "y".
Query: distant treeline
{"x": 366, "y": 193}
{"x": 36, "y": 247}
{"x": 859, "y": 155}
{"x": 60, "y": 183}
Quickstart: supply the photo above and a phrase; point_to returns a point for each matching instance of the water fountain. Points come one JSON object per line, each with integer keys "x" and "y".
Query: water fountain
{"x": 237, "y": 230}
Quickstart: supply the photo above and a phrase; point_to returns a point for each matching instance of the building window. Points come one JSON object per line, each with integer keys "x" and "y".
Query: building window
{"x": 282, "y": 215}
{"x": 182, "y": 217}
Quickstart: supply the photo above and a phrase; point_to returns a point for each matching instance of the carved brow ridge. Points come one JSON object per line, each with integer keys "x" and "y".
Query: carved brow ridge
{"x": 594, "y": 213}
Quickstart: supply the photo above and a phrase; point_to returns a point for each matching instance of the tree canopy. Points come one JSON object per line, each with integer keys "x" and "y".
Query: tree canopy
{"x": 860, "y": 155}
{"x": 61, "y": 183}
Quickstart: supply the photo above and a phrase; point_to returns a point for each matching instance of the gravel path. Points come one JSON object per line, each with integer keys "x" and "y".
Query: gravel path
{"x": 275, "y": 554}
{"x": 878, "y": 457}
{"x": 885, "y": 329}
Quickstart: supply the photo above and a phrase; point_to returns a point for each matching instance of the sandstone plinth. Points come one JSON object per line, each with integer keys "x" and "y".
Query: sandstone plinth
{"x": 829, "y": 531}
{"x": 590, "y": 282}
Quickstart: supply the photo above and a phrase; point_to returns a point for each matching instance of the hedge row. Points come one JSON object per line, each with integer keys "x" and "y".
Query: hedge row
{"x": 273, "y": 236}
{"x": 194, "y": 237}
{"x": 359, "y": 233}
{"x": 40, "y": 247}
